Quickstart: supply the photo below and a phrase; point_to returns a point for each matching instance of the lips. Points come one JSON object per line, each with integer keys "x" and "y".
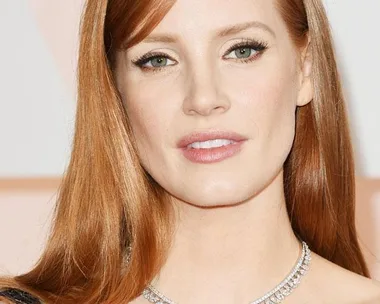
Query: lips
{"x": 209, "y": 135}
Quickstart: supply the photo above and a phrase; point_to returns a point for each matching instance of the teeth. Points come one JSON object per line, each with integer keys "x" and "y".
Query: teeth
{"x": 210, "y": 144}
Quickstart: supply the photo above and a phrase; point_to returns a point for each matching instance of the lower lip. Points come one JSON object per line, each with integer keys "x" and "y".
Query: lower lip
{"x": 212, "y": 155}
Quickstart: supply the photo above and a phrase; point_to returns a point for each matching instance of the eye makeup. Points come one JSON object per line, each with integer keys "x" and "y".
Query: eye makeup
{"x": 258, "y": 46}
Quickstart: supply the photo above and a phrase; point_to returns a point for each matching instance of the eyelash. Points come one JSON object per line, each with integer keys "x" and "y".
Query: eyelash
{"x": 258, "y": 46}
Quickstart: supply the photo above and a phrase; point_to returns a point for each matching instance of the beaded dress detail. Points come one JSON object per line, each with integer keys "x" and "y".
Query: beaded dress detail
{"x": 18, "y": 296}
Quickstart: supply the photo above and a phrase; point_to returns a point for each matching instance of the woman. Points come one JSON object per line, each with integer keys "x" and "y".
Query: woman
{"x": 211, "y": 162}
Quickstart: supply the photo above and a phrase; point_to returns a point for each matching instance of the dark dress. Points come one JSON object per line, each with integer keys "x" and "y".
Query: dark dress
{"x": 18, "y": 296}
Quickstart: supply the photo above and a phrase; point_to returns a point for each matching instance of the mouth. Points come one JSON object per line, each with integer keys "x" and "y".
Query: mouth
{"x": 212, "y": 146}
{"x": 209, "y": 139}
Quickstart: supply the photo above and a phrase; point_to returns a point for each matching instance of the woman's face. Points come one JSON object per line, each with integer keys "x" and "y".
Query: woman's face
{"x": 205, "y": 78}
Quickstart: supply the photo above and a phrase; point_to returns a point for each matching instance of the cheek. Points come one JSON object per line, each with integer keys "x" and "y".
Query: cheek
{"x": 149, "y": 118}
{"x": 144, "y": 120}
{"x": 278, "y": 103}
{"x": 268, "y": 100}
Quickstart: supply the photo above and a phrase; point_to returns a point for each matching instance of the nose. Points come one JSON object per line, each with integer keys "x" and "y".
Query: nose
{"x": 205, "y": 94}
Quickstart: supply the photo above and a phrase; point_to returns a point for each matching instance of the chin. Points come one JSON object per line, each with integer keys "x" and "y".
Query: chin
{"x": 213, "y": 197}
{"x": 224, "y": 193}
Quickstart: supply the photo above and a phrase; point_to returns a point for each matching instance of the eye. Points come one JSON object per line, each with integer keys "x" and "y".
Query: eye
{"x": 155, "y": 61}
{"x": 244, "y": 50}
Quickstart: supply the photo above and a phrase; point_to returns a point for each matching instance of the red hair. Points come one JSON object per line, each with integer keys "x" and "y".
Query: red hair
{"x": 107, "y": 201}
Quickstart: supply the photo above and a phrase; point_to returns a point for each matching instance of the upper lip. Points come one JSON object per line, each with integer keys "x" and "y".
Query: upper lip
{"x": 209, "y": 135}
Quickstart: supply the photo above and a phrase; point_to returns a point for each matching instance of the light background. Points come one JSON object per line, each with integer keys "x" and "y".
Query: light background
{"x": 37, "y": 106}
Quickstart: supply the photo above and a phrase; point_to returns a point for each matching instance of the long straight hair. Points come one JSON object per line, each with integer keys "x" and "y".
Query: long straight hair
{"x": 108, "y": 203}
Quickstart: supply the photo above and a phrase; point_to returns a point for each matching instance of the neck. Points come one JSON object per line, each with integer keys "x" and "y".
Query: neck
{"x": 230, "y": 254}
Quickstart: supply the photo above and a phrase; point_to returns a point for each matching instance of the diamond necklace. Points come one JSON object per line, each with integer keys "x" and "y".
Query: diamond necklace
{"x": 276, "y": 295}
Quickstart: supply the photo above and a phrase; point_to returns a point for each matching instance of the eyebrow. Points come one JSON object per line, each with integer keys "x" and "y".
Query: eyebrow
{"x": 224, "y": 32}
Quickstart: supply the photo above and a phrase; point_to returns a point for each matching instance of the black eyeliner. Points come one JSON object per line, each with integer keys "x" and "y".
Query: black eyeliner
{"x": 147, "y": 57}
{"x": 258, "y": 45}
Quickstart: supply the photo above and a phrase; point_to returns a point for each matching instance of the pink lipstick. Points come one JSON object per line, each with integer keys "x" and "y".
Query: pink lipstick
{"x": 211, "y": 146}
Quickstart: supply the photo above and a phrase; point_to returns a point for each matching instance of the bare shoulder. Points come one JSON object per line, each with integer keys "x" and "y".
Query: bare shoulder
{"x": 339, "y": 285}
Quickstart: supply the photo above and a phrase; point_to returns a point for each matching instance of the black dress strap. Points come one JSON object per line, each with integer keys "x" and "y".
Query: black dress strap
{"x": 19, "y": 296}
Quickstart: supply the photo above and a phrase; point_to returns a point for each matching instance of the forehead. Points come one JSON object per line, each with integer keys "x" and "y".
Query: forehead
{"x": 205, "y": 17}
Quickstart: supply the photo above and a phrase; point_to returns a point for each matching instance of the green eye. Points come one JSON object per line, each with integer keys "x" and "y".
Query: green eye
{"x": 246, "y": 50}
{"x": 243, "y": 52}
{"x": 159, "y": 61}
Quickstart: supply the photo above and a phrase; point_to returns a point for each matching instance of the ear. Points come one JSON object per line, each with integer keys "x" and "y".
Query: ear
{"x": 306, "y": 91}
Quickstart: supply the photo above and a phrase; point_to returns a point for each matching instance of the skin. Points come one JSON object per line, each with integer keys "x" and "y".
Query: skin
{"x": 233, "y": 240}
